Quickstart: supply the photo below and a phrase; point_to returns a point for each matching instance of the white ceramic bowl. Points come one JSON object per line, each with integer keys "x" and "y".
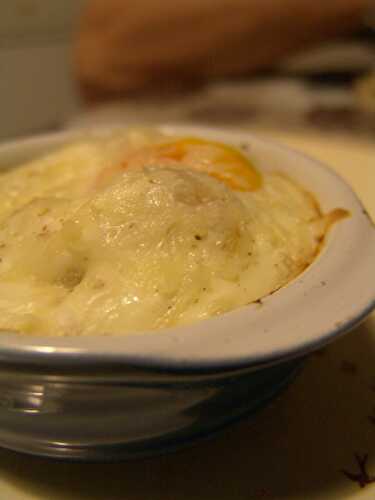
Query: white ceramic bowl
{"x": 103, "y": 397}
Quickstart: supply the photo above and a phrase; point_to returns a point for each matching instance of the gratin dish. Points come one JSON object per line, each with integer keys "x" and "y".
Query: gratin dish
{"x": 106, "y": 398}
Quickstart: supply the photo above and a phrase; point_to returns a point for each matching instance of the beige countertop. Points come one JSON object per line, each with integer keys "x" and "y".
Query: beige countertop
{"x": 297, "y": 448}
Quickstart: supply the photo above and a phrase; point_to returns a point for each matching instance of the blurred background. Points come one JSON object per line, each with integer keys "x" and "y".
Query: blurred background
{"x": 237, "y": 63}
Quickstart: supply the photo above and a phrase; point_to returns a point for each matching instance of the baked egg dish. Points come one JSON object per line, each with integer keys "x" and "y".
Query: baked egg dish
{"x": 137, "y": 230}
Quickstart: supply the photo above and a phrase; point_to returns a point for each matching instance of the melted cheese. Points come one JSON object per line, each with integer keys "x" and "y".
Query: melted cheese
{"x": 114, "y": 235}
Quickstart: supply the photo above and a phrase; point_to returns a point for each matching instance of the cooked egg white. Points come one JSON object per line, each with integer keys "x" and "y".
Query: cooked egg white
{"x": 139, "y": 231}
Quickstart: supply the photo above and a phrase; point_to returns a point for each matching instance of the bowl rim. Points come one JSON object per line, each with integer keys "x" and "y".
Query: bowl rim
{"x": 224, "y": 341}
